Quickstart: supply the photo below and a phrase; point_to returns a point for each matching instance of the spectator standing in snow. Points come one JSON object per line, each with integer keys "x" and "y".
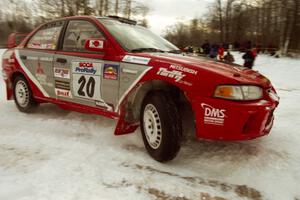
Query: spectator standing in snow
{"x": 221, "y": 51}
{"x": 254, "y": 52}
{"x": 206, "y": 48}
{"x": 249, "y": 59}
{"x": 228, "y": 58}
{"x": 213, "y": 51}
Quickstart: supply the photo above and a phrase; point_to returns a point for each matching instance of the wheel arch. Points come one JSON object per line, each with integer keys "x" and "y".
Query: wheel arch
{"x": 10, "y": 83}
{"x": 15, "y": 75}
{"x": 135, "y": 99}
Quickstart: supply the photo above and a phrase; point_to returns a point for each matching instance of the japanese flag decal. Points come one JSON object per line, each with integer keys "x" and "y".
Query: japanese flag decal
{"x": 96, "y": 44}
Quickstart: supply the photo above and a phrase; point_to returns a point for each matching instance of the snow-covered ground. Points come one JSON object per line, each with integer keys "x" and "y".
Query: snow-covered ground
{"x": 57, "y": 154}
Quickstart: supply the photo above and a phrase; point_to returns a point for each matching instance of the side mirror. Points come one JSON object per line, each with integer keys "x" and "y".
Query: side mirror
{"x": 97, "y": 45}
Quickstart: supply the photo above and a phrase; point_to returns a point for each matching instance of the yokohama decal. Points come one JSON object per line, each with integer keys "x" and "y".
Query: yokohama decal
{"x": 136, "y": 60}
{"x": 28, "y": 73}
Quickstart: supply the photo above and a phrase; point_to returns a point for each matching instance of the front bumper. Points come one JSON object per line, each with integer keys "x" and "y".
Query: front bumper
{"x": 218, "y": 119}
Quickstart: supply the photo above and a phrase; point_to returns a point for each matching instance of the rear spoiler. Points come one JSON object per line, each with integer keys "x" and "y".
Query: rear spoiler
{"x": 14, "y": 39}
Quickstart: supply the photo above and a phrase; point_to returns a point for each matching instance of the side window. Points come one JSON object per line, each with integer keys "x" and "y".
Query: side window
{"x": 46, "y": 37}
{"x": 77, "y": 33}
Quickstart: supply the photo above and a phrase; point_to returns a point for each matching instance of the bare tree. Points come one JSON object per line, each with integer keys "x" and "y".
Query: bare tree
{"x": 117, "y": 7}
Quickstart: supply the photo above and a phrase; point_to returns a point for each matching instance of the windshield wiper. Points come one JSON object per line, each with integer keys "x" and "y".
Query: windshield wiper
{"x": 146, "y": 50}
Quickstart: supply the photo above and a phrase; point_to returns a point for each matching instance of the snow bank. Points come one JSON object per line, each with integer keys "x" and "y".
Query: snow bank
{"x": 57, "y": 154}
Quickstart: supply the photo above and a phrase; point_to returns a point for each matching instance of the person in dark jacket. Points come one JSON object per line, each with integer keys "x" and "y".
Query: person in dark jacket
{"x": 214, "y": 51}
{"x": 229, "y": 58}
{"x": 249, "y": 59}
{"x": 206, "y": 48}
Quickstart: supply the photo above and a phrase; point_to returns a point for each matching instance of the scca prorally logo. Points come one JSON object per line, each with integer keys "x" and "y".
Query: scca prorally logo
{"x": 213, "y": 115}
{"x": 86, "y": 67}
{"x": 177, "y": 75}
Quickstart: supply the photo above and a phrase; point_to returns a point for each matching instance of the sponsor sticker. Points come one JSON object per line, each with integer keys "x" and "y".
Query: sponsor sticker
{"x": 136, "y": 60}
{"x": 41, "y": 76}
{"x": 62, "y": 85}
{"x": 104, "y": 105}
{"x": 90, "y": 68}
{"x": 213, "y": 116}
{"x": 111, "y": 72}
{"x": 184, "y": 69}
{"x": 47, "y": 59}
{"x": 40, "y": 69}
{"x": 174, "y": 74}
{"x": 63, "y": 93}
{"x": 32, "y": 58}
{"x": 61, "y": 73}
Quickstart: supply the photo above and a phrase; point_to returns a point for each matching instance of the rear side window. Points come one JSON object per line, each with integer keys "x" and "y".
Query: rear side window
{"x": 76, "y": 34}
{"x": 46, "y": 37}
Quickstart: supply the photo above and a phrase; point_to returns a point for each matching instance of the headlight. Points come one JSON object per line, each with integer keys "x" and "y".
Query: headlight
{"x": 241, "y": 92}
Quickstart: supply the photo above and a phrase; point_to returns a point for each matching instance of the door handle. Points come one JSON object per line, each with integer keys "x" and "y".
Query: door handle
{"x": 61, "y": 60}
{"x": 23, "y": 57}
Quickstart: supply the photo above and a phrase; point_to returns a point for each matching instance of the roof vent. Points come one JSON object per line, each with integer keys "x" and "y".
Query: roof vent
{"x": 123, "y": 20}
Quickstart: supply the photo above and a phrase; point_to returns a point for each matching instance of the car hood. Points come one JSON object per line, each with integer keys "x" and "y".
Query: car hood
{"x": 233, "y": 71}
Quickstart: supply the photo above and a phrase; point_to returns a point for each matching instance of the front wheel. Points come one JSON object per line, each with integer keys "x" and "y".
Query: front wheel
{"x": 161, "y": 126}
{"x": 23, "y": 95}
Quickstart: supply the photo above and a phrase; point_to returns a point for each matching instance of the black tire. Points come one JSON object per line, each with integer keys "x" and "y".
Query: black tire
{"x": 168, "y": 126}
{"x": 29, "y": 105}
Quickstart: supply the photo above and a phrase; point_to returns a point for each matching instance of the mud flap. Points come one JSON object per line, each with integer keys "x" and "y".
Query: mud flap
{"x": 123, "y": 127}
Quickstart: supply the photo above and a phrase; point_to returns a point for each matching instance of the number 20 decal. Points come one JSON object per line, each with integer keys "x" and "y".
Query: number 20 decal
{"x": 86, "y": 87}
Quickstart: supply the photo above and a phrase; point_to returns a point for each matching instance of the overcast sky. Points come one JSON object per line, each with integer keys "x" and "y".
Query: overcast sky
{"x": 167, "y": 12}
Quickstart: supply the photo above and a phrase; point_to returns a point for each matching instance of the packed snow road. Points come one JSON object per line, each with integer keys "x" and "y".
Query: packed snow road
{"x": 57, "y": 154}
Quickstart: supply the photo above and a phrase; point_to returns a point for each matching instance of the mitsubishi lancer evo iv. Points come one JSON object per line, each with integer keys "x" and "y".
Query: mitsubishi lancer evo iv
{"x": 111, "y": 66}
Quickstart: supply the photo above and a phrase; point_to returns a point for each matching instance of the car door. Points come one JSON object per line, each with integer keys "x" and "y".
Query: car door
{"x": 36, "y": 58}
{"x": 82, "y": 76}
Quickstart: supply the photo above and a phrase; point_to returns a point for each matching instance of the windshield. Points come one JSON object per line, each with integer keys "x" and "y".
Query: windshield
{"x": 136, "y": 38}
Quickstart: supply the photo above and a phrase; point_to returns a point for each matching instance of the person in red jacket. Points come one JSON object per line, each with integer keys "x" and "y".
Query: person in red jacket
{"x": 221, "y": 51}
{"x": 254, "y": 52}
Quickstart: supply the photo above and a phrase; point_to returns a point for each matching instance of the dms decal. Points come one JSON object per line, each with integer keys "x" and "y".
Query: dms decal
{"x": 213, "y": 115}
{"x": 136, "y": 60}
{"x": 111, "y": 72}
{"x": 90, "y": 68}
{"x": 61, "y": 73}
{"x": 63, "y": 93}
{"x": 184, "y": 69}
{"x": 177, "y": 75}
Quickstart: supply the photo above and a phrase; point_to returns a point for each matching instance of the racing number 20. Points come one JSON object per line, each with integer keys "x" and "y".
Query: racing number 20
{"x": 89, "y": 86}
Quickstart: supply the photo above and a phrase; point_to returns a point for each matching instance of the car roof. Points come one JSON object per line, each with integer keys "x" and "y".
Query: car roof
{"x": 117, "y": 18}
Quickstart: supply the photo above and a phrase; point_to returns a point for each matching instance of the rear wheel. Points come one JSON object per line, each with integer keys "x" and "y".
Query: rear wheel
{"x": 161, "y": 126}
{"x": 23, "y": 95}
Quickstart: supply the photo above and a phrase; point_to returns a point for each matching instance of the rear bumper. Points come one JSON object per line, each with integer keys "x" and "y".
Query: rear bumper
{"x": 218, "y": 119}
